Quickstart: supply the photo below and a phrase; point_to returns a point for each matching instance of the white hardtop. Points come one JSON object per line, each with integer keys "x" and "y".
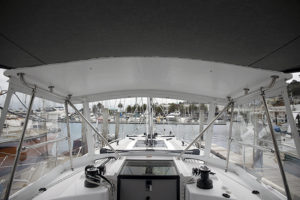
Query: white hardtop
{"x": 109, "y": 78}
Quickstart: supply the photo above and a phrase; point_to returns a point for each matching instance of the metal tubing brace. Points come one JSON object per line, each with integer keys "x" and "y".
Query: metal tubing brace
{"x": 286, "y": 186}
{"x": 229, "y": 137}
{"x": 5, "y": 107}
{"x": 11, "y": 178}
{"x": 69, "y": 134}
{"x": 96, "y": 131}
{"x": 205, "y": 129}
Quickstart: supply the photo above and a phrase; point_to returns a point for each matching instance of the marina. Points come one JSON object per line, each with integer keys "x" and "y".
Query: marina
{"x": 149, "y": 100}
{"x": 115, "y": 133}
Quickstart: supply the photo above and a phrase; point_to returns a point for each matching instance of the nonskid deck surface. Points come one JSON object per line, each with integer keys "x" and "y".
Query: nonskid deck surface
{"x": 163, "y": 143}
{"x": 70, "y": 185}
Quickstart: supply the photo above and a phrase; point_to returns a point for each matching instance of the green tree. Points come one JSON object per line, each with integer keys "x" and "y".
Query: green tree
{"x": 144, "y": 107}
{"x": 203, "y": 107}
{"x": 192, "y": 108}
{"x": 129, "y": 109}
{"x": 95, "y": 110}
{"x": 181, "y": 109}
{"x": 120, "y": 105}
{"x": 172, "y": 107}
{"x": 157, "y": 109}
{"x": 139, "y": 108}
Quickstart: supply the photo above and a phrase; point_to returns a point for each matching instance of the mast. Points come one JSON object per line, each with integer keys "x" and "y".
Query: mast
{"x": 150, "y": 119}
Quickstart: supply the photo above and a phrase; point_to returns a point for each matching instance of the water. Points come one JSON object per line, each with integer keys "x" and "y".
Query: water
{"x": 183, "y": 132}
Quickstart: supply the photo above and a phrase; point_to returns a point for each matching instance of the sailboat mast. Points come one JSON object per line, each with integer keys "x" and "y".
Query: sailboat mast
{"x": 150, "y": 119}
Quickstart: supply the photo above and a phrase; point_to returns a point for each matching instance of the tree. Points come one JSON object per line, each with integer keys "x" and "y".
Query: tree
{"x": 157, "y": 109}
{"x": 129, "y": 109}
{"x": 95, "y": 110}
{"x": 99, "y": 105}
{"x": 135, "y": 108}
{"x": 203, "y": 107}
{"x": 172, "y": 107}
{"x": 192, "y": 108}
{"x": 139, "y": 108}
{"x": 144, "y": 107}
{"x": 120, "y": 105}
{"x": 217, "y": 110}
{"x": 181, "y": 109}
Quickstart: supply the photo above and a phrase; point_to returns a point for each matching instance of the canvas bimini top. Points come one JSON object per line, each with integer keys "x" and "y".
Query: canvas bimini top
{"x": 260, "y": 34}
{"x": 109, "y": 78}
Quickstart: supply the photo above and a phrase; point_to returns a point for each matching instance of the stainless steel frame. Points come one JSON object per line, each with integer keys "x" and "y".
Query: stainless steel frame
{"x": 5, "y": 107}
{"x": 286, "y": 186}
{"x": 11, "y": 178}
{"x": 150, "y": 119}
{"x": 229, "y": 137}
{"x": 69, "y": 135}
{"x": 96, "y": 131}
{"x": 204, "y": 130}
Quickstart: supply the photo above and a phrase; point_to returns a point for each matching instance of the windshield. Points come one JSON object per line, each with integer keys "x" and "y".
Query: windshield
{"x": 124, "y": 123}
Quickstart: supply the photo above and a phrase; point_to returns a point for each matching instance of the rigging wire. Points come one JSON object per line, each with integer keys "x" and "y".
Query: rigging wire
{"x": 21, "y": 101}
{"x": 275, "y": 50}
{"x": 21, "y": 48}
{"x": 27, "y": 107}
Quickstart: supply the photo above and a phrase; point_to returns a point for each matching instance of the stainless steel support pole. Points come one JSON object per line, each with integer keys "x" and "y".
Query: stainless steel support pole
{"x": 207, "y": 127}
{"x": 69, "y": 134}
{"x": 5, "y": 108}
{"x": 56, "y": 153}
{"x": 96, "y": 131}
{"x": 286, "y": 186}
{"x": 291, "y": 120}
{"x": 150, "y": 119}
{"x": 11, "y": 178}
{"x": 229, "y": 138}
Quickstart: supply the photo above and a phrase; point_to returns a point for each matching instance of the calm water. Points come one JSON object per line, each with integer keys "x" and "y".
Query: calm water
{"x": 184, "y": 132}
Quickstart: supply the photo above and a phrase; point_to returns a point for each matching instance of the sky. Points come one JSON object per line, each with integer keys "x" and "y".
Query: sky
{"x": 295, "y": 77}
{"x": 108, "y": 104}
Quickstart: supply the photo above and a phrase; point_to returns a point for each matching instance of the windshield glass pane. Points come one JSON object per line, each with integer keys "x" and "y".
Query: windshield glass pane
{"x": 252, "y": 147}
{"x": 175, "y": 123}
{"x": 45, "y": 144}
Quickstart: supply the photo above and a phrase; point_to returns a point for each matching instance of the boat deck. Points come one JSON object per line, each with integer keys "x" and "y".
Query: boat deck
{"x": 270, "y": 173}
